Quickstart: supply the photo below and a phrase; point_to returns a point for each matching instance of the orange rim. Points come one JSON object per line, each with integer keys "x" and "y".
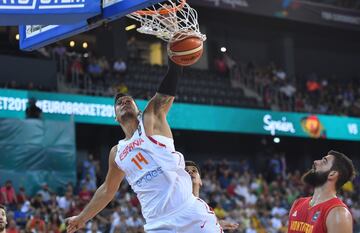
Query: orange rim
{"x": 162, "y": 11}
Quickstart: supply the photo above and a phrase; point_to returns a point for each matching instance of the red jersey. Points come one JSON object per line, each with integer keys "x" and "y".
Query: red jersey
{"x": 306, "y": 219}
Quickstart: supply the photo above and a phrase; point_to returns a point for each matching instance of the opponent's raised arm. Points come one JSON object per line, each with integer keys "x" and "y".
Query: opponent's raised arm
{"x": 160, "y": 104}
{"x": 103, "y": 195}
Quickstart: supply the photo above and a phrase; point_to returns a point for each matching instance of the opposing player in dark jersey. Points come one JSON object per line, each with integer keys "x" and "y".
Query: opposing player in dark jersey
{"x": 324, "y": 212}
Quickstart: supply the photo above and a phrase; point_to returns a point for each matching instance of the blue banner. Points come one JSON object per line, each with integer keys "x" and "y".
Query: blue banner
{"x": 36, "y": 36}
{"x": 26, "y": 12}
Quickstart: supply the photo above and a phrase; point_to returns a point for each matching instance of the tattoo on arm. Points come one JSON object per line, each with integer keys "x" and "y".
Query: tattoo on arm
{"x": 162, "y": 102}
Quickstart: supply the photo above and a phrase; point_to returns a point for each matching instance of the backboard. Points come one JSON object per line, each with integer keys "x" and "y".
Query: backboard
{"x": 36, "y": 36}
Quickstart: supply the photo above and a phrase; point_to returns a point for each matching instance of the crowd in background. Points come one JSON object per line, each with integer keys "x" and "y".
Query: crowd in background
{"x": 97, "y": 75}
{"x": 314, "y": 94}
{"x": 258, "y": 201}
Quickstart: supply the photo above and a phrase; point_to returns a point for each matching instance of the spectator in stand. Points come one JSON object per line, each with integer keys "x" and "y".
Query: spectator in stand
{"x": 19, "y": 216}
{"x": 66, "y": 202}
{"x": 115, "y": 217}
{"x": 33, "y": 111}
{"x": 299, "y": 102}
{"x": 94, "y": 228}
{"x": 104, "y": 65}
{"x": 288, "y": 90}
{"x": 95, "y": 71}
{"x": 220, "y": 67}
{"x": 313, "y": 86}
{"x": 45, "y": 193}
{"x": 54, "y": 224}
{"x": 85, "y": 194}
{"x": 279, "y": 74}
{"x": 224, "y": 179}
{"x": 36, "y": 224}
{"x": 133, "y": 49}
{"x": 89, "y": 182}
{"x": 122, "y": 88}
{"x": 120, "y": 66}
{"x": 76, "y": 67}
{"x": 53, "y": 203}
{"x": 12, "y": 228}
{"x": 37, "y": 201}
{"x": 8, "y": 195}
{"x": 90, "y": 166}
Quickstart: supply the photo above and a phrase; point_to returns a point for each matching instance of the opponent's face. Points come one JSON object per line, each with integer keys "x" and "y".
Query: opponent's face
{"x": 3, "y": 220}
{"x": 324, "y": 164}
{"x": 125, "y": 107}
{"x": 320, "y": 171}
{"x": 194, "y": 174}
{"x": 192, "y": 170}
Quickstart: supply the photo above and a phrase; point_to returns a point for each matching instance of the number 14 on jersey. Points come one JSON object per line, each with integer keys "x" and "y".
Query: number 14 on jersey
{"x": 139, "y": 159}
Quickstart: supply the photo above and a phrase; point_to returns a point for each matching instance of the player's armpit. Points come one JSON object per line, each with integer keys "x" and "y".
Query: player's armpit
{"x": 339, "y": 220}
{"x": 155, "y": 122}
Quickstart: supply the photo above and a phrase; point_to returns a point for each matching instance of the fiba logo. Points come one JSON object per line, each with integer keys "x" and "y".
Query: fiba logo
{"x": 40, "y": 4}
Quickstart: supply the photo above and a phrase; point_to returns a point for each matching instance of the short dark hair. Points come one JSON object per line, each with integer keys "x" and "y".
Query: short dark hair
{"x": 192, "y": 163}
{"x": 344, "y": 166}
{"x": 2, "y": 207}
{"x": 119, "y": 95}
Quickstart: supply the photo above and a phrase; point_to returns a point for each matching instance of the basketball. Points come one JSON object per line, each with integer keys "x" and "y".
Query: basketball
{"x": 185, "y": 52}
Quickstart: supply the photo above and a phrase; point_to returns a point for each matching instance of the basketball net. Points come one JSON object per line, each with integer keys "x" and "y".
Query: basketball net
{"x": 173, "y": 20}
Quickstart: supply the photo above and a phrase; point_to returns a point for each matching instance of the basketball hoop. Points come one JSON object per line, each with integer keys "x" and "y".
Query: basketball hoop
{"x": 173, "y": 20}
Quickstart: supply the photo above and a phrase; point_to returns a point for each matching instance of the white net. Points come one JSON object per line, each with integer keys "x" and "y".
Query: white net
{"x": 173, "y": 20}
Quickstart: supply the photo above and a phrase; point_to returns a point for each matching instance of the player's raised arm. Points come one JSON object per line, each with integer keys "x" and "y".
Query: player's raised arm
{"x": 103, "y": 195}
{"x": 160, "y": 104}
{"x": 339, "y": 220}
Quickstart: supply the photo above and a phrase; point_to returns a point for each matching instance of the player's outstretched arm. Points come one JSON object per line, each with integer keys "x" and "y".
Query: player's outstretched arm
{"x": 103, "y": 195}
{"x": 339, "y": 220}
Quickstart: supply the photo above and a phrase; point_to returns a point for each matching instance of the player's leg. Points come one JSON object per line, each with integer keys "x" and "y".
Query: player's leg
{"x": 199, "y": 218}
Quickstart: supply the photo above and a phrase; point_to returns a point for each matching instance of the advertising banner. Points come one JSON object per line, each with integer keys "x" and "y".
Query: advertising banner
{"x": 19, "y": 12}
{"x": 100, "y": 110}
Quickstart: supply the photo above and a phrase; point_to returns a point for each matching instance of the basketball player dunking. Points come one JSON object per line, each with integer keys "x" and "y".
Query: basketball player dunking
{"x": 324, "y": 212}
{"x": 155, "y": 171}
